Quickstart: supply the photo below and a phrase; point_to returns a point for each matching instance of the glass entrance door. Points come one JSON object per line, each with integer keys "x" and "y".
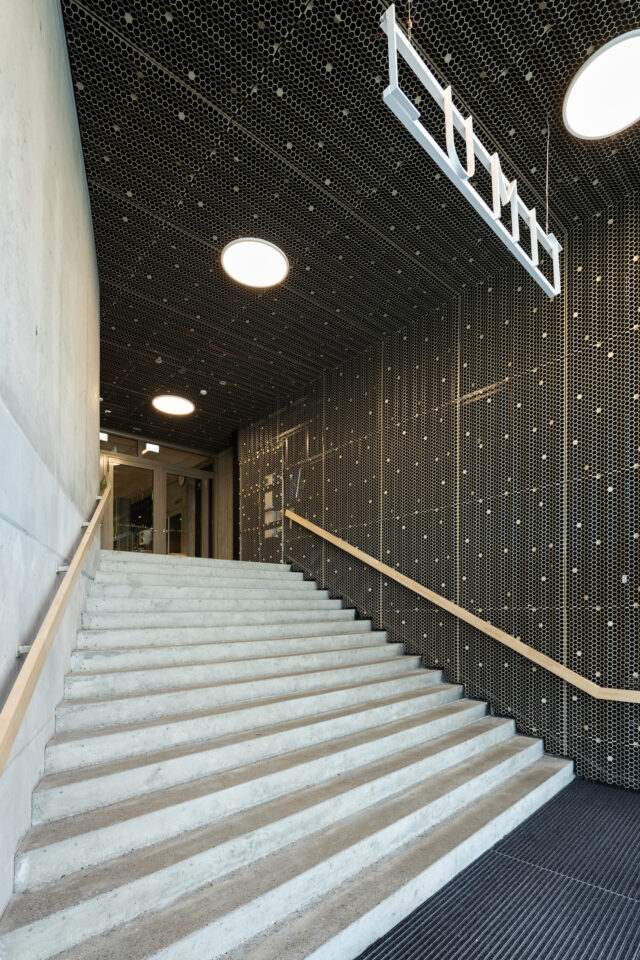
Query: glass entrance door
{"x": 158, "y": 507}
{"x": 183, "y": 524}
{"x": 132, "y": 509}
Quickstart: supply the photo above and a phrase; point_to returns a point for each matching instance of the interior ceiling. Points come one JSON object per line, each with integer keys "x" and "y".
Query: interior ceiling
{"x": 203, "y": 121}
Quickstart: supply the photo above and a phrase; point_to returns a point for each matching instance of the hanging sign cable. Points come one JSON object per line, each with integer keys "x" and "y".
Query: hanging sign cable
{"x": 504, "y": 191}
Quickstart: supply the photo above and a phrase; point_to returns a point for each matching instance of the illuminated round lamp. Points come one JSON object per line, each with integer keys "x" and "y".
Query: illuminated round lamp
{"x": 176, "y": 406}
{"x": 604, "y": 96}
{"x": 254, "y": 262}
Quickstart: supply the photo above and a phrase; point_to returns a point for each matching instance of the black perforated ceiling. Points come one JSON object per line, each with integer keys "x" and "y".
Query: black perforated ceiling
{"x": 202, "y": 122}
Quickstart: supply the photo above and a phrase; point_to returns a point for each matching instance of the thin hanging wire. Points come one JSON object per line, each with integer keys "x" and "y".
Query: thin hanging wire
{"x": 409, "y": 20}
{"x": 546, "y": 226}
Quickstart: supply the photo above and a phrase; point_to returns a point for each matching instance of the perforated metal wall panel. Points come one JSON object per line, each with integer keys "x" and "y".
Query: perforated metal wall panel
{"x": 203, "y": 121}
{"x": 491, "y": 451}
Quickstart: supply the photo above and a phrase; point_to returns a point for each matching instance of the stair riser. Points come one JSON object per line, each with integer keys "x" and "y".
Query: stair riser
{"x": 128, "y": 743}
{"x": 159, "y": 636}
{"x": 89, "y": 794}
{"x": 237, "y": 606}
{"x": 134, "y": 570}
{"x": 240, "y": 591}
{"x": 71, "y": 716}
{"x": 44, "y": 865}
{"x": 211, "y": 618}
{"x": 357, "y": 936}
{"x": 221, "y": 578}
{"x": 106, "y": 911}
{"x": 111, "y": 558}
{"x": 216, "y": 939}
{"x": 79, "y": 686}
{"x": 147, "y": 658}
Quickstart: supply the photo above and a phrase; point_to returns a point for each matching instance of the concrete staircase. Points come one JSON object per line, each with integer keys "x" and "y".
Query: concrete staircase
{"x": 243, "y": 769}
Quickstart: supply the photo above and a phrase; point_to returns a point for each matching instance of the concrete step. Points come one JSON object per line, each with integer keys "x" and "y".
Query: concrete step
{"x": 241, "y": 590}
{"x": 107, "y": 571}
{"x": 76, "y": 791}
{"x": 241, "y": 768}
{"x": 296, "y": 854}
{"x": 239, "y": 604}
{"x": 167, "y": 636}
{"x": 118, "y": 558}
{"x": 359, "y": 911}
{"x": 80, "y": 686}
{"x": 196, "y": 577}
{"x": 68, "y": 751}
{"x": 61, "y": 847}
{"x": 135, "y": 658}
{"x": 81, "y": 714}
{"x": 211, "y": 618}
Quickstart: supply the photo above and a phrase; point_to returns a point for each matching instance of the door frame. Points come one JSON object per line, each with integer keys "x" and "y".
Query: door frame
{"x": 160, "y": 469}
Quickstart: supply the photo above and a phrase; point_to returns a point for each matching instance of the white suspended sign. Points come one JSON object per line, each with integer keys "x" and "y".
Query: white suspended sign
{"x": 504, "y": 191}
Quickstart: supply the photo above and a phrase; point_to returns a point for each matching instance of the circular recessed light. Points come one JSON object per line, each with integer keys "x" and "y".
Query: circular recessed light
{"x": 254, "y": 262}
{"x": 603, "y": 98}
{"x": 177, "y": 406}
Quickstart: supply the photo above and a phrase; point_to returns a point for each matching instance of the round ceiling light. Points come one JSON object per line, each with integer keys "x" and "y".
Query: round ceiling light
{"x": 604, "y": 96}
{"x": 177, "y": 406}
{"x": 254, "y": 262}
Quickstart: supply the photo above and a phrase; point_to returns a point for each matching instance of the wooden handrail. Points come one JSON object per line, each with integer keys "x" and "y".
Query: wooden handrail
{"x": 18, "y": 700}
{"x": 541, "y": 659}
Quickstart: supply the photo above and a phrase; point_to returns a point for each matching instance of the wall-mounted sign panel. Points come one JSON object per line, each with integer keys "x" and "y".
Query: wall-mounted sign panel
{"x": 504, "y": 191}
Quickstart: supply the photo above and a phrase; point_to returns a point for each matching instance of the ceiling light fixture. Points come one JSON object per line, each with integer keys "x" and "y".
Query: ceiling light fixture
{"x": 254, "y": 262}
{"x": 176, "y": 406}
{"x": 104, "y": 437}
{"x": 151, "y": 448}
{"x": 603, "y": 98}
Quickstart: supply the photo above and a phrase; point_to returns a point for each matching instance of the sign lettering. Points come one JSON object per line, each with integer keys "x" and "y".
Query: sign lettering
{"x": 504, "y": 191}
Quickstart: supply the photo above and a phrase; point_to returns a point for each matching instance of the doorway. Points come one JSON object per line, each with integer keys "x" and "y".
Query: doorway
{"x": 132, "y": 509}
{"x": 159, "y": 505}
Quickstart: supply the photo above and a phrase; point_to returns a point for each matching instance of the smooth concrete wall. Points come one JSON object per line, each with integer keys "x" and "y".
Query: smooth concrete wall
{"x": 49, "y": 373}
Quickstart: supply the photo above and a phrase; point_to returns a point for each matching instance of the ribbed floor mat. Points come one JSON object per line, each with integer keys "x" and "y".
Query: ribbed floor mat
{"x": 563, "y": 886}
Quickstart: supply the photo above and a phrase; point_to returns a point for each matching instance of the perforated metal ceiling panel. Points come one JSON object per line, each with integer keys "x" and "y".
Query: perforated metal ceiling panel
{"x": 202, "y": 122}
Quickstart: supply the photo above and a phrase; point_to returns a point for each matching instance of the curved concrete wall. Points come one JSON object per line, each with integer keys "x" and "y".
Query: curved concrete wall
{"x": 49, "y": 371}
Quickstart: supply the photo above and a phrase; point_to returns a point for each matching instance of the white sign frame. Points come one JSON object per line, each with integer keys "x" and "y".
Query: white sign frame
{"x": 504, "y": 191}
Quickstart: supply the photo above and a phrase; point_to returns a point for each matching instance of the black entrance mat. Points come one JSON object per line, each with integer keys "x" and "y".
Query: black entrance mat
{"x": 563, "y": 886}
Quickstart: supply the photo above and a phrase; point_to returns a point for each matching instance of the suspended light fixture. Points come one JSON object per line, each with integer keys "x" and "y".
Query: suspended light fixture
{"x": 254, "y": 262}
{"x": 176, "y": 406}
{"x": 604, "y": 96}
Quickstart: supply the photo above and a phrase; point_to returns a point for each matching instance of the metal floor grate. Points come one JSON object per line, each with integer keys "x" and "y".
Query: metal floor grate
{"x": 564, "y": 885}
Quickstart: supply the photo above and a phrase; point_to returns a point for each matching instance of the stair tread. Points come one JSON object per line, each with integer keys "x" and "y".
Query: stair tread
{"x": 188, "y": 629}
{"x": 117, "y": 813}
{"x": 95, "y": 732}
{"x": 118, "y": 556}
{"x": 157, "y": 930}
{"x": 97, "y": 879}
{"x": 305, "y": 614}
{"x": 191, "y": 570}
{"x": 314, "y": 599}
{"x": 79, "y": 774}
{"x": 228, "y": 682}
{"x": 230, "y": 583}
{"x": 211, "y": 576}
{"x": 362, "y": 638}
{"x": 295, "y": 656}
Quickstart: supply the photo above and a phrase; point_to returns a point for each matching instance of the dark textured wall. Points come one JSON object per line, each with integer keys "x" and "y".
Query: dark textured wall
{"x": 489, "y": 450}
